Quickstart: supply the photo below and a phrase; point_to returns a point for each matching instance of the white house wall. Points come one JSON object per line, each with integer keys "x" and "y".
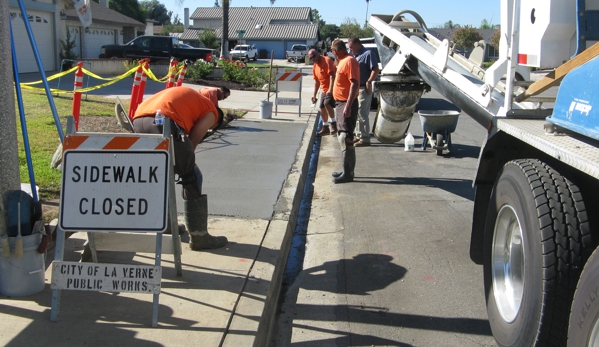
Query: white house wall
{"x": 206, "y": 23}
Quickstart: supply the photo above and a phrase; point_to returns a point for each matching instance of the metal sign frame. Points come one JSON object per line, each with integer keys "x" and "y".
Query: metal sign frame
{"x": 289, "y": 86}
{"x": 172, "y": 223}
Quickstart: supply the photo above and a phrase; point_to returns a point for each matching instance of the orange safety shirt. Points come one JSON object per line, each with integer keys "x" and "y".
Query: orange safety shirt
{"x": 183, "y": 105}
{"x": 210, "y": 93}
{"x": 322, "y": 72}
{"x": 347, "y": 69}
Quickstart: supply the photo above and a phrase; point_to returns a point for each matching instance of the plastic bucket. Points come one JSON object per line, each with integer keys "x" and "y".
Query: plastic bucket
{"x": 265, "y": 109}
{"x": 26, "y": 275}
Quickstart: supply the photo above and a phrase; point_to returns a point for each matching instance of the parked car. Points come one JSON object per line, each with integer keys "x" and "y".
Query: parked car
{"x": 155, "y": 48}
{"x": 297, "y": 53}
{"x": 244, "y": 52}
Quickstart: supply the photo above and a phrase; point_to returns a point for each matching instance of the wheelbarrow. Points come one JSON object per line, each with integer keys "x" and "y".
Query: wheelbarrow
{"x": 437, "y": 127}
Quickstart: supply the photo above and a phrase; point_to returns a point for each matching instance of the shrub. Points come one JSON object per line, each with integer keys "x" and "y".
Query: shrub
{"x": 199, "y": 69}
{"x": 238, "y": 72}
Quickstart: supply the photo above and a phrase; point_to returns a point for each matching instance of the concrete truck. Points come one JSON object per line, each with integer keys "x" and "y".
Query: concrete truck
{"x": 535, "y": 225}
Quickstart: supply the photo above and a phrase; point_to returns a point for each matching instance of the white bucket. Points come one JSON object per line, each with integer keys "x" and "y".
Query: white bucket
{"x": 265, "y": 109}
{"x": 26, "y": 275}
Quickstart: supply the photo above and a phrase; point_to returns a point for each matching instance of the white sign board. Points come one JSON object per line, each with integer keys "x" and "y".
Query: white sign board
{"x": 106, "y": 277}
{"x": 288, "y": 101}
{"x": 114, "y": 191}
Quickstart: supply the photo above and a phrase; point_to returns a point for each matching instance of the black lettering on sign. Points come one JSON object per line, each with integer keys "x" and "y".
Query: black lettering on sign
{"x": 94, "y": 174}
{"x": 153, "y": 174}
{"x": 119, "y": 210}
{"x": 130, "y": 175}
{"x": 77, "y": 177}
{"x": 118, "y": 171}
{"x": 105, "y": 173}
{"x": 81, "y": 202}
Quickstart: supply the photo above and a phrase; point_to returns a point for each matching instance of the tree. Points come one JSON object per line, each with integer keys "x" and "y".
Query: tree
{"x": 330, "y": 31}
{"x": 170, "y": 28}
{"x": 466, "y": 37}
{"x": 224, "y": 49}
{"x": 451, "y": 25}
{"x": 351, "y": 28}
{"x": 486, "y": 25}
{"x": 129, "y": 8}
{"x": 316, "y": 19}
{"x": 495, "y": 38}
{"x": 208, "y": 38}
{"x": 176, "y": 21}
{"x": 156, "y": 11}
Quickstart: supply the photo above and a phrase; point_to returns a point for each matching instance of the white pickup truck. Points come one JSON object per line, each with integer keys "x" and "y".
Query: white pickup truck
{"x": 244, "y": 52}
{"x": 297, "y": 52}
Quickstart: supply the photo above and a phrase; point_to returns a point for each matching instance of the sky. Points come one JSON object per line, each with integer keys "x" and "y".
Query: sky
{"x": 435, "y": 13}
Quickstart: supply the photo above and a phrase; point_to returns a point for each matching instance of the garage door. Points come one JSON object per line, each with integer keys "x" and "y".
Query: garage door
{"x": 277, "y": 46}
{"x": 41, "y": 25}
{"x": 95, "y": 38}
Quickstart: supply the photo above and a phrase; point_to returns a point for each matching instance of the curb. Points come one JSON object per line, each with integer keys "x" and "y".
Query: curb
{"x": 254, "y": 315}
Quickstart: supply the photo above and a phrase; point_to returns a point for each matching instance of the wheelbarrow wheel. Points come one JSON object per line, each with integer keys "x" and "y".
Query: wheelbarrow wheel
{"x": 439, "y": 144}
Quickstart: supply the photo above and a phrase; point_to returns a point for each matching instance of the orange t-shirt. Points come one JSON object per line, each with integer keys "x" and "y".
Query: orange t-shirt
{"x": 322, "y": 72}
{"x": 347, "y": 69}
{"x": 182, "y": 104}
{"x": 210, "y": 93}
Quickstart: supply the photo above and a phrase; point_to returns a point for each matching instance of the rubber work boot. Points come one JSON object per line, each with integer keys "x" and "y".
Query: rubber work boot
{"x": 333, "y": 128}
{"x": 324, "y": 131}
{"x": 196, "y": 223}
{"x": 349, "y": 163}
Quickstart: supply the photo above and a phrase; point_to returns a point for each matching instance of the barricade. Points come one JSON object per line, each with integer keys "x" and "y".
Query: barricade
{"x": 289, "y": 82}
{"x": 78, "y": 84}
{"x": 142, "y": 83}
{"x": 135, "y": 91}
{"x": 182, "y": 73}
{"x": 171, "y": 74}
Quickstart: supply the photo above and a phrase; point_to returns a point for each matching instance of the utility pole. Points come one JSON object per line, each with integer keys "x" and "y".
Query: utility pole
{"x": 9, "y": 155}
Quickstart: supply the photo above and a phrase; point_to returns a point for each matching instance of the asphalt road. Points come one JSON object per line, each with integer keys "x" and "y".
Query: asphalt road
{"x": 386, "y": 259}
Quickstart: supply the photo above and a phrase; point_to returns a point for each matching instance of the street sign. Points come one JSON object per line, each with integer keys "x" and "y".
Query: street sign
{"x": 240, "y": 33}
{"x": 114, "y": 190}
{"x": 106, "y": 277}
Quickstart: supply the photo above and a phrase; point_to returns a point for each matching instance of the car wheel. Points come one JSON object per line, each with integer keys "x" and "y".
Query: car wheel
{"x": 255, "y": 57}
{"x": 535, "y": 241}
{"x": 584, "y": 318}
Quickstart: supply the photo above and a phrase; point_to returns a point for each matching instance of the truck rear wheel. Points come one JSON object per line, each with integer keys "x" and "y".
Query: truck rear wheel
{"x": 584, "y": 319}
{"x": 536, "y": 238}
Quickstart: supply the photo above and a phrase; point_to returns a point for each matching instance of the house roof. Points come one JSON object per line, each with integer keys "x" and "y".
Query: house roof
{"x": 276, "y": 23}
{"x": 102, "y": 14}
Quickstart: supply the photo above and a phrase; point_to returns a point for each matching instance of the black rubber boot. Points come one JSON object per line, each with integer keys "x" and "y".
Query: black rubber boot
{"x": 196, "y": 223}
{"x": 349, "y": 163}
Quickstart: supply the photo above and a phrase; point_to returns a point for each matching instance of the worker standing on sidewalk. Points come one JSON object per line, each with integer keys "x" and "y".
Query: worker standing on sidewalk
{"x": 324, "y": 76}
{"x": 215, "y": 94}
{"x": 369, "y": 70}
{"x": 345, "y": 92}
{"x": 190, "y": 115}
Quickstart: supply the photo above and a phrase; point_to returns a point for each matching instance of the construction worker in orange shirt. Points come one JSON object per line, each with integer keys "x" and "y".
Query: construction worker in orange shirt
{"x": 191, "y": 115}
{"x": 215, "y": 94}
{"x": 323, "y": 72}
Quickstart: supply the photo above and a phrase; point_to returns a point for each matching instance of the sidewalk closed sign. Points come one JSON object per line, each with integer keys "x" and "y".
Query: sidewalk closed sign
{"x": 106, "y": 277}
{"x": 114, "y": 190}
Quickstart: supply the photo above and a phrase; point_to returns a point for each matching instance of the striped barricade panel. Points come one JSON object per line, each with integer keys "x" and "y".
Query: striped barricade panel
{"x": 83, "y": 141}
{"x": 289, "y": 76}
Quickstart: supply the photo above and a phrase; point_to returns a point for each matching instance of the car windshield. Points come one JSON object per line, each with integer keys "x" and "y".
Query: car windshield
{"x": 239, "y": 48}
